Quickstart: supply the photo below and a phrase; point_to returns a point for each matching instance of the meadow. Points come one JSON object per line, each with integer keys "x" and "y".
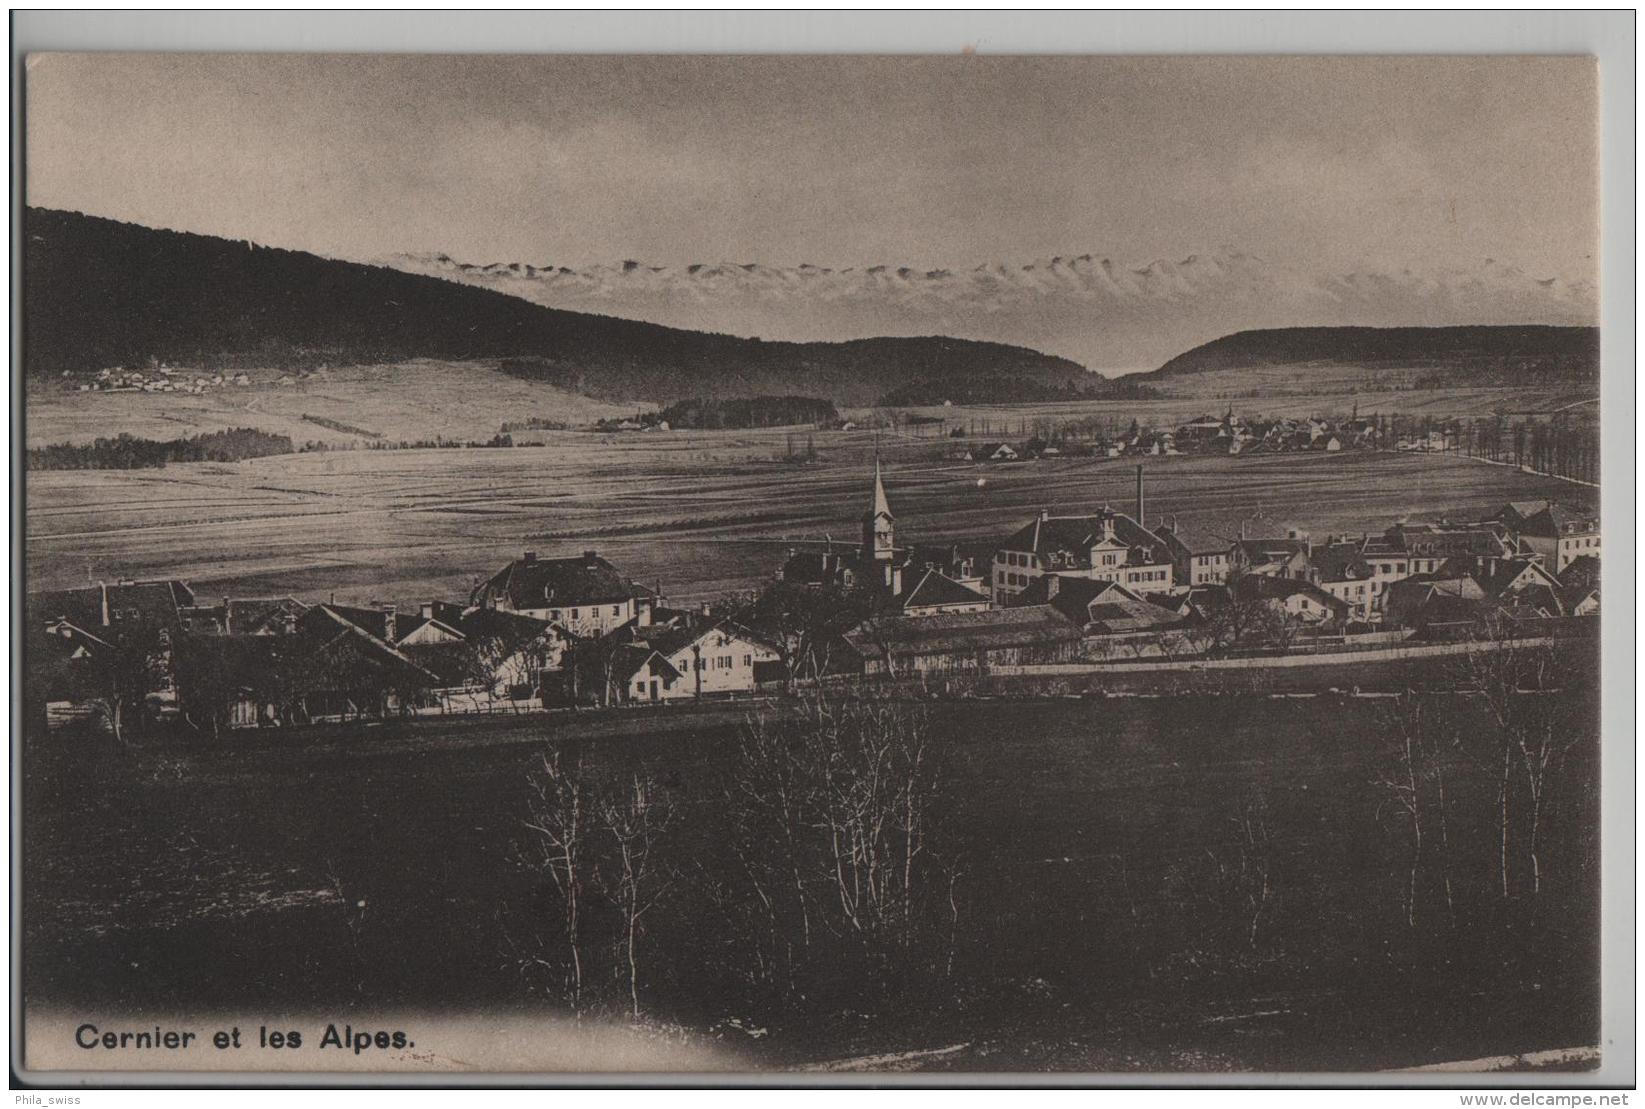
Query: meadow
{"x": 700, "y": 513}
{"x": 1106, "y": 853}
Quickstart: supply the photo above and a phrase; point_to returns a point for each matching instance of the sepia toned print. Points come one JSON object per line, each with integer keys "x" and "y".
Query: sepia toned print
{"x": 810, "y": 564}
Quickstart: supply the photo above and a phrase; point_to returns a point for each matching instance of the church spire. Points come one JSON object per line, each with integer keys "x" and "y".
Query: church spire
{"x": 877, "y": 541}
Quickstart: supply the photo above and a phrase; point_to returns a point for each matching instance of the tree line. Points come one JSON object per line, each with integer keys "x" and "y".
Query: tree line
{"x": 128, "y": 452}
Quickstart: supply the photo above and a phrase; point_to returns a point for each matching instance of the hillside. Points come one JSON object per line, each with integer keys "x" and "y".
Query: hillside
{"x": 1505, "y": 356}
{"x": 99, "y": 293}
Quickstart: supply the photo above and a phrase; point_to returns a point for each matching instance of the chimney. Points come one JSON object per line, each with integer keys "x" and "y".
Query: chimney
{"x": 1140, "y": 519}
{"x": 589, "y": 556}
{"x": 388, "y": 624}
{"x": 427, "y": 610}
{"x": 1045, "y": 514}
{"x": 530, "y": 557}
{"x": 1052, "y": 584}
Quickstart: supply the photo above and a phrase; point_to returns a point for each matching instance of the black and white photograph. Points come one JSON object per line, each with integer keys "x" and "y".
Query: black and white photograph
{"x": 810, "y": 565}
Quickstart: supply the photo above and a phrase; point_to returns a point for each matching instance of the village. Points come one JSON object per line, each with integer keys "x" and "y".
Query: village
{"x": 572, "y": 630}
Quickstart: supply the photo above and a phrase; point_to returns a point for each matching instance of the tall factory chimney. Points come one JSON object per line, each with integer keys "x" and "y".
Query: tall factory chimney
{"x": 1140, "y": 520}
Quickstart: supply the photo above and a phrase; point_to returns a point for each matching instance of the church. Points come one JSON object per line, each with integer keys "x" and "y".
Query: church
{"x": 877, "y": 562}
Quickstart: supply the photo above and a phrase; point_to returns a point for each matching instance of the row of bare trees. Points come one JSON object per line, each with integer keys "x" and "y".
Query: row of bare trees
{"x": 1512, "y": 725}
{"x": 829, "y": 875}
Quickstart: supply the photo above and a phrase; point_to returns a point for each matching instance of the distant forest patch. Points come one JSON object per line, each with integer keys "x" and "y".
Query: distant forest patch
{"x": 990, "y": 389}
{"x": 127, "y": 452}
{"x": 746, "y": 412}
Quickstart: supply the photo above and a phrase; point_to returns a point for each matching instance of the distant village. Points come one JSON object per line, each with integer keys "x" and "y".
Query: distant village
{"x": 569, "y": 630}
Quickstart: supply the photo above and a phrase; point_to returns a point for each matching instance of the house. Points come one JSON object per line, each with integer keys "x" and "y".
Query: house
{"x": 486, "y": 657}
{"x": 1418, "y": 602}
{"x": 584, "y": 594}
{"x": 1560, "y": 534}
{"x": 1300, "y": 602}
{"x": 1526, "y": 583}
{"x": 243, "y": 616}
{"x": 67, "y": 665}
{"x": 933, "y": 592}
{"x": 1201, "y": 428}
{"x": 967, "y": 564}
{"x": 991, "y": 452}
{"x": 1579, "y": 587}
{"x": 1275, "y": 558}
{"x": 1197, "y": 558}
{"x": 1105, "y": 545}
{"x": 963, "y": 641}
{"x": 150, "y": 605}
{"x": 688, "y": 659}
{"x": 328, "y": 668}
{"x": 1429, "y": 544}
{"x": 1340, "y": 568}
{"x": 1100, "y": 607}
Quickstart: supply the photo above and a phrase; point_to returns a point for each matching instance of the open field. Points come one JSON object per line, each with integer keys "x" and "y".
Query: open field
{"x": 701, "y": 513}
{"x": 420, "y": 400}
{"x": 1083, "y": 827}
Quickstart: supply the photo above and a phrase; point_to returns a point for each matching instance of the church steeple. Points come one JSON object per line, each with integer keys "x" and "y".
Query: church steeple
{"x": 877, "y": 523}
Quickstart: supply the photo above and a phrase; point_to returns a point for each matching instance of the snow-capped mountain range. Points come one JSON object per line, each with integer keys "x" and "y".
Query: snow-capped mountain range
{"x": 1108, "y": 315}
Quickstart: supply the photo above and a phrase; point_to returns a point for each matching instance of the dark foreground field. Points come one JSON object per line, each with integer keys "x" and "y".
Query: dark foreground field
{"x": 1198, "y": 882}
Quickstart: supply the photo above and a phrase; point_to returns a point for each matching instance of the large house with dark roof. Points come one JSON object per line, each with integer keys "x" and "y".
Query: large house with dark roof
{"x": 148, "y": 605}
{"x": 585, "y": 594}
{"x": 1558, "y": 533}
{"x": 1103, "y": 546}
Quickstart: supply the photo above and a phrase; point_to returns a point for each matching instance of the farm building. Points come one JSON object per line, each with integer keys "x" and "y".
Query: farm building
{"x": 963, "y": 641}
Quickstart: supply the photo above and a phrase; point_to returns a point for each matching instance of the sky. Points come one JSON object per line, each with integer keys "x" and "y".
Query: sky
{"x": 930, "y": 162}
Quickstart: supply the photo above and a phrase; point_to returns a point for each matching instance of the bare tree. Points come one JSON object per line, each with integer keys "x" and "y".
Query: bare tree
{"x": 844, "y": 793}
{"x": 559, "y": 818}
{"x": 1515, "y": 680}
{"x": 1414, "y": 787}
{"x": 635, "y": 821}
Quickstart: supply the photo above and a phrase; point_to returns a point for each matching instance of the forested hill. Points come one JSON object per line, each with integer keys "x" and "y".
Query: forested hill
{"x": 1507, "y": 355}
{"x": 99, "y": 293}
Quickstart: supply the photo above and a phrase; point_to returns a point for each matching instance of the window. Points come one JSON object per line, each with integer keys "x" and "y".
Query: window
{"x": 748, "y": 660}
{"x": 574, "y": 614}
{"x": 616, "y": 610}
